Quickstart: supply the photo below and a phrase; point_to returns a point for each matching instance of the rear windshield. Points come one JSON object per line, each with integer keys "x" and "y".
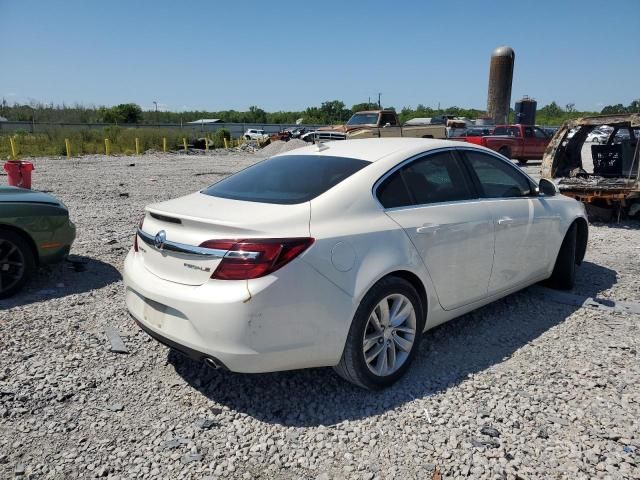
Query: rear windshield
{"x": 286, "y": 180}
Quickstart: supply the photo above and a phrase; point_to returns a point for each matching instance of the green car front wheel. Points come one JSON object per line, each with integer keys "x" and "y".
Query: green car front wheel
{"x": 17, "y": 262}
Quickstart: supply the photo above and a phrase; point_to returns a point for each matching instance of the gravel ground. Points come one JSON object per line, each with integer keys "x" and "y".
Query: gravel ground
{"x": 524, "y": 388}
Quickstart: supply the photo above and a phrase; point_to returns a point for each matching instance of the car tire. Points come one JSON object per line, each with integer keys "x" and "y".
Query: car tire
{"x": 564, "y": 270}
{"x": 247, "y": 137}
{"x": 505, "y": 152}
{"x": 17, "y": 262}
{"x": 392, "y": 342}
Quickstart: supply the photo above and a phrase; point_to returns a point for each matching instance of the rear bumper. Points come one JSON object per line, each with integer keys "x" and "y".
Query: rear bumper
{"x": 64, "y": 236}
{"x": 189, "y": 352}
{"x": 295, "y": 319}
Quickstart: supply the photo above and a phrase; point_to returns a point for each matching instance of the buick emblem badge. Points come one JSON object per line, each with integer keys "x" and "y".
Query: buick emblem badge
{"x": 159, "y": 239}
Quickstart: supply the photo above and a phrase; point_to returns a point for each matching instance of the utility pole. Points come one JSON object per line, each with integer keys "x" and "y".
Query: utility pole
{"x": 156, "y": 104}
{"x": 379, "y": 103}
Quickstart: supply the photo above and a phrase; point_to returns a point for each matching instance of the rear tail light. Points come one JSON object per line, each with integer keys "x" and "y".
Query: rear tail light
{"x": 246, "y": 259}
{"x": 135, "y": 238}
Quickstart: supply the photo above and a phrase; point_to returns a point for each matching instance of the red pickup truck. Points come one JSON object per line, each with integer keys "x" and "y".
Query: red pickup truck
{"x": 520, "y": 142}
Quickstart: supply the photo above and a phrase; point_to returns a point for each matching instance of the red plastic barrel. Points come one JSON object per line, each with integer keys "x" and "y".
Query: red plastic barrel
{"x": 19, "y": 173}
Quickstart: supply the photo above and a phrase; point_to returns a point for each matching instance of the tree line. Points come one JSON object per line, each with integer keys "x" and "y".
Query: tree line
{"x": 329, "y": 112}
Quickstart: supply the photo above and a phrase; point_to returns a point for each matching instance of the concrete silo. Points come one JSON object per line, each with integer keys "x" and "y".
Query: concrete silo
{"x": 500, "y": 78}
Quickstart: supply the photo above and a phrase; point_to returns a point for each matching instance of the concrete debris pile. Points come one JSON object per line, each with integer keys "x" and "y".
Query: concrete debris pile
{"x": 246, "y": 147}
{"x": 279, "y": 146}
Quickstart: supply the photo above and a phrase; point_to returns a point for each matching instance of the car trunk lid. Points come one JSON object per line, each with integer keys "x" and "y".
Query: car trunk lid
{"x": 189, "y": 221}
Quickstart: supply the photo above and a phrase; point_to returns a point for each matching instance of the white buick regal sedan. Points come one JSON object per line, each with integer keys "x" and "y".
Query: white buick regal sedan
{"x": 344, "y": 254}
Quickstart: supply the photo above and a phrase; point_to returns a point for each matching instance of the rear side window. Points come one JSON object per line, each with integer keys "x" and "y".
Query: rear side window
{"x": 286, "y": 180}
{"x": 434, "y": 178}
{"x": 497, "y": 178}
{"x": 393, "y": 192}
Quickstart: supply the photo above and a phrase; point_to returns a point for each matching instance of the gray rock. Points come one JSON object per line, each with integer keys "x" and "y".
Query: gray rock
{"x": 205, "y": 423}
{"x": 191, "y": 457}
{"x": 489, "y": 431}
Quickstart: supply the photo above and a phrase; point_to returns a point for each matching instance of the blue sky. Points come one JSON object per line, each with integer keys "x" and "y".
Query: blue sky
{"x": 288, "y": 55}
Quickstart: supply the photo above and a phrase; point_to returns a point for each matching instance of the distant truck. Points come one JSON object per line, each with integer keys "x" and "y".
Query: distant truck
{"x": 374, "y": 124}
{"x": 520, "y": 142}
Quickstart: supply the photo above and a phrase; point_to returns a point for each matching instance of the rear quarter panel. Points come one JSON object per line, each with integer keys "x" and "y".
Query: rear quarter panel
{"x": 357, "y": 243}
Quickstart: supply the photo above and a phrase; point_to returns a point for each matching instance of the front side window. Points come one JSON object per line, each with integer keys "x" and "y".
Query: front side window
{"x": 528, "y": 132}
{"x": 540, "y": 133}
{"x": 431, "y": 179}
{"x": 497, "y": 178}
{"x": 389, "y": 118}
{"x": 510, "y": 131}
{"x": 288, "y": 179}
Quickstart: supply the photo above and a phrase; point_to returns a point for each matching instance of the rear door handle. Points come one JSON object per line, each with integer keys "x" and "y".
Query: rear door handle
{"x": 428, "y": 227}
{"x": 505, "y": 221}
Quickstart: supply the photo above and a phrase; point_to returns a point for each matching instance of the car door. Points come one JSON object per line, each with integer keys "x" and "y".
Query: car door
{"x": 523, "y": 221}
{"x": 542, "y": 140}
{"x": 434, "y": 200}
{"x": 389, "y": 126}
{"x": 530, "y": 144}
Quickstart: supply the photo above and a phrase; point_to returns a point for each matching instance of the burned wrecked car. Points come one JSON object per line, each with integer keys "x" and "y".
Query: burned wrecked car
{"x": 603, "y": 175}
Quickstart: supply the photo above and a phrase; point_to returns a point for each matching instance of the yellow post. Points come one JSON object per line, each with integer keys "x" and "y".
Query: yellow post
{"x": 206, "y": 143}
{"x": 184, "y": 142}
{"x": 226, "y": 144}
{"x": 164, "y": 145}
{"x": 14, "y": 149}
{"x": 107, "y": 146}
{"x": 67, "y": 145}
{"x": 137, "y": 146}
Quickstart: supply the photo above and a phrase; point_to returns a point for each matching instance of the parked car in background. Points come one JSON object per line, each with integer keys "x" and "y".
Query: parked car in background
{"x": 382, "y": 123}
{"x": 324, "y": 135}
{"x": 255, "y": 134}
{"x": 34, "y": 230}
{"x": 519, "y": 142}
{"x": 344, "y": 255}
{"x": 479, "y": 131}
{"x": 598, "y": 136}
{"x": 298, "y": 132}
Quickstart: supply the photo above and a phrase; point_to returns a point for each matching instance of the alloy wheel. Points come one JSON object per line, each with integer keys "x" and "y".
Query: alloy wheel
{"x": 12, "y": 264}
{"x": 389, "y": 334}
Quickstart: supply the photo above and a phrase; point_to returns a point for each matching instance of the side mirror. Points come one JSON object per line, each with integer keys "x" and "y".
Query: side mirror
{"x": 547, "y": 187}
{"x": 387, "y": 125}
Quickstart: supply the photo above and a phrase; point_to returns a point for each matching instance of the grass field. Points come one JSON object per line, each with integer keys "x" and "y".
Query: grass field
{"x": 92, "y": 141}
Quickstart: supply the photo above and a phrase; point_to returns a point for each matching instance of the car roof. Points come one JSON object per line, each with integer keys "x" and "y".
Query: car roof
{"x": 374, "y": 149}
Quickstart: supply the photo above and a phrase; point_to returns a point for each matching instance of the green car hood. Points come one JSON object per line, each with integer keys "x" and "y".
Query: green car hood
{"x": 23, "y": 195}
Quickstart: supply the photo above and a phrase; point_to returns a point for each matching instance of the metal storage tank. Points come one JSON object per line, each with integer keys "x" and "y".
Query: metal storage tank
{"x": 525, "y": 111}
{"x": 500, "y": 78}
